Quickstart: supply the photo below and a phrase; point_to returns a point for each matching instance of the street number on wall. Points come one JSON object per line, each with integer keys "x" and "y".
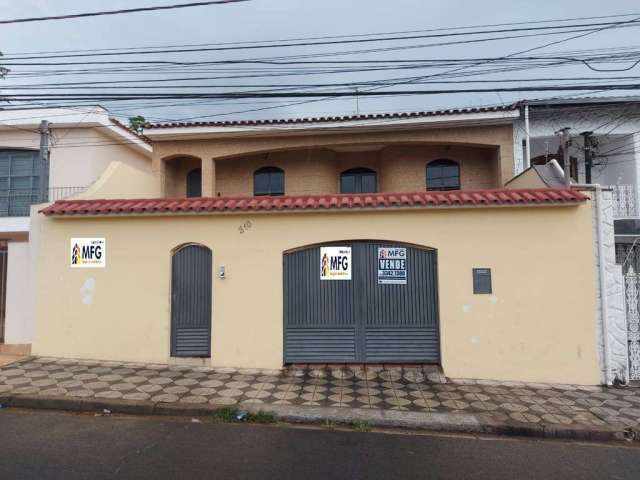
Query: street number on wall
{"x": 335, "y": 263}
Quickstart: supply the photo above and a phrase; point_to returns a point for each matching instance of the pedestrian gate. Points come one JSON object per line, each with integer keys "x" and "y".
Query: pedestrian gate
{"x": 191, "y": 302}
{"x": 364, "y": 319}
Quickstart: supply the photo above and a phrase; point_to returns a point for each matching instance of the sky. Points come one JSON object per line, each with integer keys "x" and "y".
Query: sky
{"x": 260, "y": 20}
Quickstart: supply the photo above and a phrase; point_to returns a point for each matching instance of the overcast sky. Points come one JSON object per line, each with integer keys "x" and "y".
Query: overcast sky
{"x": 281, "y": 19}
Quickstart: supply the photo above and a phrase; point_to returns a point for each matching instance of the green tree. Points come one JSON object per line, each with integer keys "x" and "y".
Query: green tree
{"x": 137, "y": 123}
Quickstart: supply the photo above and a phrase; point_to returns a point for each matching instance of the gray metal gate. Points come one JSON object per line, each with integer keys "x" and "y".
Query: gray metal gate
{"x": 191, "y": 302}
{"x": 360, "y": 320}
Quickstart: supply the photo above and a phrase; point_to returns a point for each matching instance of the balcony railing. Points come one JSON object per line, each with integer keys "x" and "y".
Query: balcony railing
{"x": 625, "y": 202}
{"x": 17, "y": 203}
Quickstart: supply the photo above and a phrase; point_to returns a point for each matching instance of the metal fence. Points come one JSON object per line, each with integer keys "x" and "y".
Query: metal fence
{"x": 632, "y": 296}
{"x": 3, "y": 287}
{"x": 625, "y": 202}
{"x": 16, "y": 203}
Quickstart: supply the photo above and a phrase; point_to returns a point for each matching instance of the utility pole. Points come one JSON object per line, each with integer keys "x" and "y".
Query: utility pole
{"x": 357, "y": 100}
{"x": 565, "y": 138}
{"x": 588, "y": 155}
{"x": 43, "y": 162}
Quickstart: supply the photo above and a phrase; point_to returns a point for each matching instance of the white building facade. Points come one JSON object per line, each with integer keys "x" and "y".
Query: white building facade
{"x": 82, "y": 143}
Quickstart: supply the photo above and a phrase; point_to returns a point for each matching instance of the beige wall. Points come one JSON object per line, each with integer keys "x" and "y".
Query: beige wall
{"x": 73, "y": 164}
{"x": 532, "y": 328}
{"x": 527, "y": 179}
{"x": 496, "y": 153}
{"x": 317, "y": 171}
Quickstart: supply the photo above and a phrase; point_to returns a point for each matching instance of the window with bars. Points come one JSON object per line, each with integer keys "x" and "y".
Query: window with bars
{"x": 443, "y": 175}
{"x": 358, "y": 180}
{"x": 19, "y": 182}
{"x": 268, "y": 181}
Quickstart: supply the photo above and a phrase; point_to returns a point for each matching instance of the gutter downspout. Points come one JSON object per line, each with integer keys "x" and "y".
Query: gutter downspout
{"x": 603, "y": 296}
{"x": 527, "y": 156}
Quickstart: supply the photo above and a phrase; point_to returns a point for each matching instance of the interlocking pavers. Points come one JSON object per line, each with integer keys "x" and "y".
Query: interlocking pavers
{"x": 403, "y": 388}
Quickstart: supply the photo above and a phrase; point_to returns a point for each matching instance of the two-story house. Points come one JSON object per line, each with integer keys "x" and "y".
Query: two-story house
{"x": 370, "y": 239}
{"x": 37, "y": 165}
{"x": 604, "y": 150}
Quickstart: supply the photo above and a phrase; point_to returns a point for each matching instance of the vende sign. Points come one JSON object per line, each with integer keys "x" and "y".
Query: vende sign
{"x": 335, "y": 263}
{"x": 88, "y": 253}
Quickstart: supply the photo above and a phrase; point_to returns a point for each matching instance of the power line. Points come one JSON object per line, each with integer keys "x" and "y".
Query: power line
{"x": 531, "y": 22}
{"x": 180, "y": 95}
{"x": 328, "y": 42}
{"x": 118, "y": 12}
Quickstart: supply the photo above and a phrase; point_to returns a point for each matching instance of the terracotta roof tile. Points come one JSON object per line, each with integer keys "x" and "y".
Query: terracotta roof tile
{"x": 499, "y": 197}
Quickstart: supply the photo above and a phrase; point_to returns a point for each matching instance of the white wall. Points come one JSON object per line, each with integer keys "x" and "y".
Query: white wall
{"x": 612, "y": 125}
{"x": 18, "y": 320}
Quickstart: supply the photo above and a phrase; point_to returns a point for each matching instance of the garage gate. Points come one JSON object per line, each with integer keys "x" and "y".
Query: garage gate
{"x": 366, "y": 319}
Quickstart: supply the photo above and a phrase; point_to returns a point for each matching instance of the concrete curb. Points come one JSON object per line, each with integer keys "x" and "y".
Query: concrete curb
{"x": 419, "y": 421}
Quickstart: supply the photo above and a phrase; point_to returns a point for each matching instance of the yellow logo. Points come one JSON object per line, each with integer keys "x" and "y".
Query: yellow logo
{"x": 324, "y": 270}
{"x": 76, "y": 258}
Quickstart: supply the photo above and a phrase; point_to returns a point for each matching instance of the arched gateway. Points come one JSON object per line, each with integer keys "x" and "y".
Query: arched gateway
{"x": 361, "y": 301}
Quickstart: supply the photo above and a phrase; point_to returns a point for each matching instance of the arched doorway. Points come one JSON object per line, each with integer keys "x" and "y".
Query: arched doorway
{"x": 191, "y": 301}
{"x": 384, "y": 309}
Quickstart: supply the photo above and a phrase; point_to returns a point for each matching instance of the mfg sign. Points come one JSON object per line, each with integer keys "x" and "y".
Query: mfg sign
{"x": 335, "y": 263}
{"x": 88, "y": 253}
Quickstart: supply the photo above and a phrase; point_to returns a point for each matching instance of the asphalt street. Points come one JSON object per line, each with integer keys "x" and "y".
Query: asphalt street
{"x": 52, "y": 445}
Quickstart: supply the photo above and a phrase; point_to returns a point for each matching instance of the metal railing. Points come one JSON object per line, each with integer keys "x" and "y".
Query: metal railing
{"x": 17, "y": 203}
{"x": 625, "y": 201}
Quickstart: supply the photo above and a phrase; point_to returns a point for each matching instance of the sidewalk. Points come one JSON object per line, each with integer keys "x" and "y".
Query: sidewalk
{"x": 407, "y": 396}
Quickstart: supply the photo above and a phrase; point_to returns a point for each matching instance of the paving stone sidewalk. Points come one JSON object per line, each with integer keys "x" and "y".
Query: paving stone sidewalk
{"x": 387, "y": 387}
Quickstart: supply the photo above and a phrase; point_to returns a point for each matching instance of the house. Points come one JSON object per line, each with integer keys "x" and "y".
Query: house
{"x": 612, "y": 126}
{"x": 372, "y": 239}
{"x": 79, "y": 145}
{"x": 605, "y": 134}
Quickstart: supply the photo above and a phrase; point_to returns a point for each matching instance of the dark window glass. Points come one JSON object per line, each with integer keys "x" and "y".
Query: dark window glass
{"x": 194, "y": 183}
{"x": 19, "y": 182}
{"x": 358, "y": 180}
{"x": 268, "y": 181}
{"x": 443, "y": 175}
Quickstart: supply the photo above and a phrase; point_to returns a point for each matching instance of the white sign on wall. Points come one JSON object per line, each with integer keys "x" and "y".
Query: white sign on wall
{"x": 335, "y": 263}
{"x": 392, "y": 265}
{"x": 88, "y": 253}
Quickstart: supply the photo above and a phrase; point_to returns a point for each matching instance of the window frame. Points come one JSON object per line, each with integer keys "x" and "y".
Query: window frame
{"x": 441, "y": 163}
{"x": 191, "y": 172}
{"x": 358, "y": 174}
{"x": 270, "y": 191}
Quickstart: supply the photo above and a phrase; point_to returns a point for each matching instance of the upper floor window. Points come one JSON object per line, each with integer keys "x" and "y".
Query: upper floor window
{"x": 268, "y": 181}
{"x": 194, "y": 183}
{"x": 19, "y": 182}
{"x": 358, "y": 180}
{"x": 443, "y": 175}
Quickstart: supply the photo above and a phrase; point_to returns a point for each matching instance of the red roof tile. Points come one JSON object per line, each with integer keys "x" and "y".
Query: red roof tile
{"x": 454, "y": 198}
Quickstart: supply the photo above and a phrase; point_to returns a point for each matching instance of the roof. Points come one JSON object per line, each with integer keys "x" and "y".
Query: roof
{"x": 121, "y": 125}
{"x": 571, "y": 102}
{"x": 455, "y": 198}
{"x": 331, "y": 119}
{"x": 75, "y": 117}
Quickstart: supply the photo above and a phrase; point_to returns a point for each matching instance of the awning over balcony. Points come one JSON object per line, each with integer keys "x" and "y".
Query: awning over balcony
{"x": 447, "y": 199}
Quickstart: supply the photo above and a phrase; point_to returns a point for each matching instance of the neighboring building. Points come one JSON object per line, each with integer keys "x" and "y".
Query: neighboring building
{"x": 614, "y": 124}
{"x": 374, "y": 239}
{"x": 82, "y": 143}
